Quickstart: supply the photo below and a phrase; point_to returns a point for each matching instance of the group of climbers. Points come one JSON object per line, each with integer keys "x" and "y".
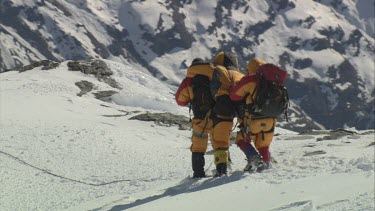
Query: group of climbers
{"x": 217, "y": 92}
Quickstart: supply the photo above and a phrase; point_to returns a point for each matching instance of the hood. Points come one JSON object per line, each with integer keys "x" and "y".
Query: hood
{"x": 254, "y": 64}
{"x": 226, "y": 59}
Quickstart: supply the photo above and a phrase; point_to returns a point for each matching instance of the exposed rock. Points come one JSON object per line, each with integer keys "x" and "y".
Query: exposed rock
{"x": 110, "y": 81}
{"x": 319, "y": 44}
{"x": 50, "y": 65}
{"x": 124, "y": 113}
{"x": 177, "y": 36}
{"x": 310, "y": 145}
{"x": 129, "y": 112}
{"x": 333, "y": 33}
{"x": 314, "y": 132}
{"x": 103, "y": 95}
{"x": 95, "y": 67}
{"x": 115, "y": 115}
{"x": 45, "y": 64}
{"x": 336, "y": 134}
{"x": 85, "y": 87}
{"x": 302, "y": 63}
{"x": 318, "y": 152}
{"x": 308, "y": 22}
{"x": 297, "y": 121}
{"x": 98, "y": 68}
{"x": 368, "y": 132}
{"x": 294, "y": 43}
{"x": 354, "y": 41}
{"x": 284, "y": 59}
{"x": 332, "y": 134}
{"x": 284, "y": 4}
{"x": 165, "y": 119}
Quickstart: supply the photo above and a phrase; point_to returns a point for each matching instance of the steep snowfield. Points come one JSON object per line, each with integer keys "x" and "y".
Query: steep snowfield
{"x": 59, "y": 151}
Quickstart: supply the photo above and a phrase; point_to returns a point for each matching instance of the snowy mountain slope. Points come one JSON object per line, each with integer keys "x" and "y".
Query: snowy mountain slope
{"x": 327, "y": 46}
{"x": 60, "y": 151}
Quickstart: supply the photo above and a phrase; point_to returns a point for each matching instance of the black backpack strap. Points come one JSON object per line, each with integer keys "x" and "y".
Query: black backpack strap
{"x": 252, "y": 94}
{"x": 286, "y": 110}
{"x": 206, "y": 119}
{"x": 190, "y": 112}
{"x": 200, "y": 135}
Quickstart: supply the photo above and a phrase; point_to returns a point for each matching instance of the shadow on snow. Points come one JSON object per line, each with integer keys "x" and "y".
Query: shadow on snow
{"x": 187, "y": 185}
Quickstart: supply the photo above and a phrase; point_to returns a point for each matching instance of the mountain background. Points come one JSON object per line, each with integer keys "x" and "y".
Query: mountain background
{"x": 327, "y": 46}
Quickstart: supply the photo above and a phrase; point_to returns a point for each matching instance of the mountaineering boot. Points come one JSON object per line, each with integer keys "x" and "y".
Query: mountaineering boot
{"x": 262, "y": 166}
{"x": 252, "y": 157}
{"x": 197, "y": 160}
{"x": 221, "y": 169}
{"x": 255, "y": 164}
{"x": 221, "y": 162}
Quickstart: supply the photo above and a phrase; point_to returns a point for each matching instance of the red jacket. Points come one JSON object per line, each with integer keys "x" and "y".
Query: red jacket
{"x": 184, "y": 93}
{"x": 245, "y": 87}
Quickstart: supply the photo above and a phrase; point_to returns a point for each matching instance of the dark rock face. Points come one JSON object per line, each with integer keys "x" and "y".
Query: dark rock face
{"x": 45, "y": 64}
{"x": 166, "y": 119}
{"x": 104, "y": 95}
{"x": 297, "y": 121}
{"x": 85, "y": 87}
{"x": 326, "y": 103}
{"x": 166, "y": 40}
{"x": 95, "y": 67}
{"x": 7, "y": 10}
{"x": 308, "y": 22}
{"x": 303, "y": 63}
{"x": 318, "y": 152}
{"x": 284, "y": 4}
{"x": 329, "y": 134}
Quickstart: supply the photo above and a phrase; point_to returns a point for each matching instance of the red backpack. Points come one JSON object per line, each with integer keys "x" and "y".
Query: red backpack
{"x": 272, "y": 97}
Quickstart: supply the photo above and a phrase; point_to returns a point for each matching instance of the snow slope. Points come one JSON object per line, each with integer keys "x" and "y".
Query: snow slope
{"x": 59, "y": 151}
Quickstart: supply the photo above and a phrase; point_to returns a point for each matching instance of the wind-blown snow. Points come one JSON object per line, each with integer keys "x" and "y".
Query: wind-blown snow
{"x": 59, "y": 151}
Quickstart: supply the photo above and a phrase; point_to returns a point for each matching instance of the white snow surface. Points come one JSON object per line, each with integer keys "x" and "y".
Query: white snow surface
{"x": 59, "y": 151}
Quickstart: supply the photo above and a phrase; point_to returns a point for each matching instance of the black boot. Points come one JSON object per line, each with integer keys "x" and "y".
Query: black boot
{"x": 197, "y": 160}
{"x": 221, "y": 169}
{"x": 221, "y": 161}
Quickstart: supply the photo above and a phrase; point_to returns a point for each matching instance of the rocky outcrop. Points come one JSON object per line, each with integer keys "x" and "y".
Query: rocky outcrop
{"x": 95, "y": 67}
{"x": 104, "y": 95}
{"x": 329, "y": 134}
{"x": 45, "y": 64}
{"x": 85, "y": 87}
{"x": 164, "y": 119}
{"x": 98, "y": 68}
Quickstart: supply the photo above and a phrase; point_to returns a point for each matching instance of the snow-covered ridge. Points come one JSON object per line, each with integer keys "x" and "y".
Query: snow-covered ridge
{"x": 136, "y": 89}
{"x": 118, "y": 84}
